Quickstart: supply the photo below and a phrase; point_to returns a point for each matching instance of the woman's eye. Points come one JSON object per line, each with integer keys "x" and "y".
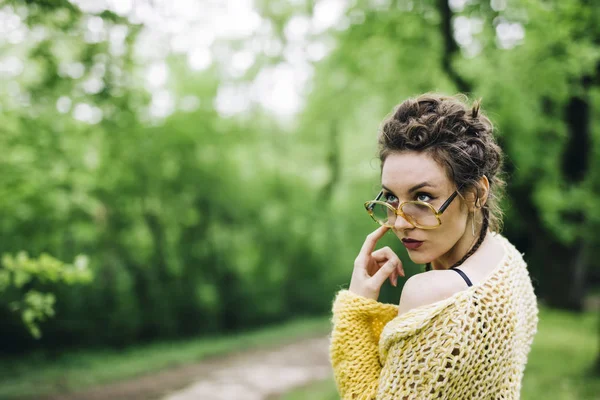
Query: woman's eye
{"x": 424, "y": 197}
{"x": 390, "y": 198}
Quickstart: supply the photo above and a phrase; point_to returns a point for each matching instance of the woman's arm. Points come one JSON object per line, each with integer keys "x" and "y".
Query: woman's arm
{"x": 354, "y": 347}
{"x": 358, "y": 319}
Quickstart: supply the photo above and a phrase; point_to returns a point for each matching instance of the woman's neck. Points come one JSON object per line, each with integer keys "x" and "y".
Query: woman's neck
{"x": 458, "y": 251}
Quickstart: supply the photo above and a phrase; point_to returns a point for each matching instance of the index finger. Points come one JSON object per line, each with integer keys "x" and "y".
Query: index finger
{"x": 371, "y": 241}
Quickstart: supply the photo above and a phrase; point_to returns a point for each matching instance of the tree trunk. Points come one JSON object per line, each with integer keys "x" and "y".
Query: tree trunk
{"x": 333, "y": 162}
{"x": 450, "y": 47}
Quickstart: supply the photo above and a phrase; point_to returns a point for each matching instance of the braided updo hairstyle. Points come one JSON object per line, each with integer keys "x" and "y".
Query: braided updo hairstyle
{"x": 457, "y": 136}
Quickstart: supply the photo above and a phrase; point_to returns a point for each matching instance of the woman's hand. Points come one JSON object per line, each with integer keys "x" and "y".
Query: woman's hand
{"x": 372, "y": 268}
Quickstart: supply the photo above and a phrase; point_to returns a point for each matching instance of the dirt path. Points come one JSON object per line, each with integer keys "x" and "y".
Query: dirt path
{"x": 262, "y": 376}
{"x": 252, "y": 375}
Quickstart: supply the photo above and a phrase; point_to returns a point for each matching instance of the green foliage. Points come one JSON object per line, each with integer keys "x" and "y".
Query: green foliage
{"x": 20, "y": 273}
{"x": 200, "y": 223}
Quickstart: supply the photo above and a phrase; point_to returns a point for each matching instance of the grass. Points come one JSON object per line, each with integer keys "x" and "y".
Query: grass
{"x": 558, "y": 368}
{"x": 564, "y": 350}
{"x": 323, "y": 390}
{"x": 34, "y": 375}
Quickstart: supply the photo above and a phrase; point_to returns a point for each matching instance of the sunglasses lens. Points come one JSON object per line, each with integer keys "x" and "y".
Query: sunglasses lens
{"x": 383, "y": 214}
{"x": 421, "y": 214}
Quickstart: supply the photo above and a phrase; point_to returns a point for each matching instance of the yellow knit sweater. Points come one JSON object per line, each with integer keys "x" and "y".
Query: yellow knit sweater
{"x": 472, "y": 345}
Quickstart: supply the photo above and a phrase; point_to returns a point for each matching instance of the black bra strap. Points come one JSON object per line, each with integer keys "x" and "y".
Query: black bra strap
{"x": 463, "y": 276}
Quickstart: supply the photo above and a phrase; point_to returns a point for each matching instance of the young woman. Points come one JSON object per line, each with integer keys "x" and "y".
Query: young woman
{"x": 462, "y": 329}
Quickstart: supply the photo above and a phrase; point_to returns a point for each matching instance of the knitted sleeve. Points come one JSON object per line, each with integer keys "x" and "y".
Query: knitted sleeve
{"x": 354, "y": 355}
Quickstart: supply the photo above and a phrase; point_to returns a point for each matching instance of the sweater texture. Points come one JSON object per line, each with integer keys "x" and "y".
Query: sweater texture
{"x": 472, "y": 345}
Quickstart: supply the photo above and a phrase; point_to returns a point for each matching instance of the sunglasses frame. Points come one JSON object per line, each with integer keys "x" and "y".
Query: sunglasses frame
{"x": 369, "y": 205}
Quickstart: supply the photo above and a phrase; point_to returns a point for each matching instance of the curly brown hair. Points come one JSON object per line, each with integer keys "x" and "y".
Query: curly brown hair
{"x": 459, "y": 137}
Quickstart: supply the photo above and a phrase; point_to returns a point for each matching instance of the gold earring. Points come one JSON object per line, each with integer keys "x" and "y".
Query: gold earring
{"x": 473, "y": 223}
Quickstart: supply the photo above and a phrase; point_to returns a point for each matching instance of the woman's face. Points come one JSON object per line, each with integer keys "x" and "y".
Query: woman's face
{"x": 411, "y": 175}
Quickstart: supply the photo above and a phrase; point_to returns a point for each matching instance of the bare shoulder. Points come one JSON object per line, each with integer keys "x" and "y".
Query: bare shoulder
{"x": 429, "y": 287}
{"x": 436, "y": 285}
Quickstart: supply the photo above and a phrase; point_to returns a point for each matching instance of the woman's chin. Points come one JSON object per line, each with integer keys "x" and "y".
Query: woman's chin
{"x": 419, "y": 258}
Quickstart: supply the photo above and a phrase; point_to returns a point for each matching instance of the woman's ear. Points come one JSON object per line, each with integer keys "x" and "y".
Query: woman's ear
{"x": 484, "y": 190}
{"x": 471, "y": 199}
{"x": 477, "y": 196}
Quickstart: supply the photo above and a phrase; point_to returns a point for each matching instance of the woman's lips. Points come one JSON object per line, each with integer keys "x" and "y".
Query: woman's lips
{"x": 411, "y": 244}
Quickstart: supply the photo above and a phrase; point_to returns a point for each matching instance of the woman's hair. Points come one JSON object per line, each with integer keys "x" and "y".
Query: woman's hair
{"x": 460, "y": 138}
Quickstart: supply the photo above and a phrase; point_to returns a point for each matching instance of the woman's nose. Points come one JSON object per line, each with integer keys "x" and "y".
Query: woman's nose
{"x": 402, "y": 223}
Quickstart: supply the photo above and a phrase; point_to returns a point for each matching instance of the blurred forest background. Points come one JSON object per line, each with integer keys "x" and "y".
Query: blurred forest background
{"x": 189, "y": 168}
